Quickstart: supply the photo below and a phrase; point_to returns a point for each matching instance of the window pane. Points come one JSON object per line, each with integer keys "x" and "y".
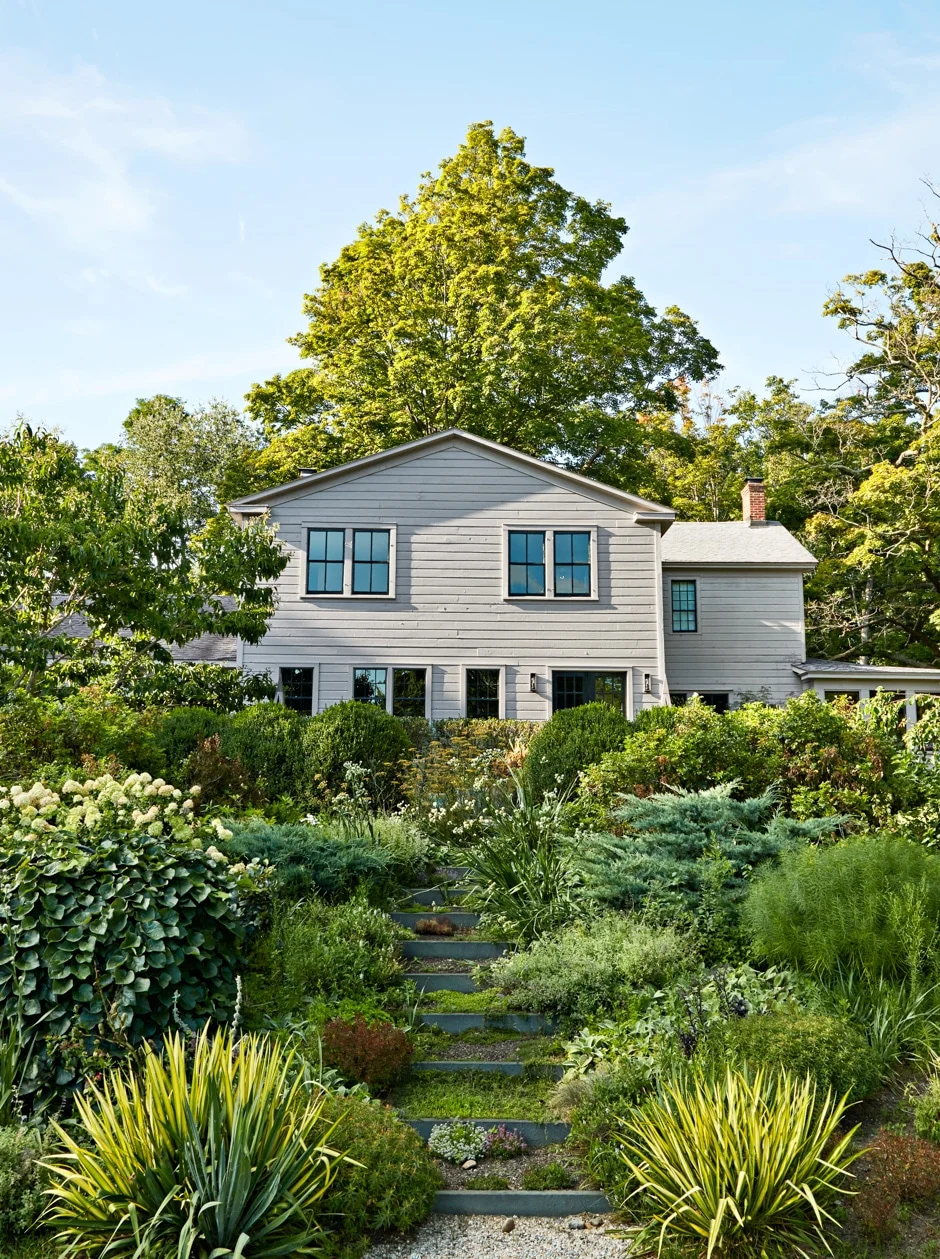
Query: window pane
{"x": 562, "y": 548}
{"x": 580, "y": 579}
{"x": 409, "y": 688}
{"x": 610, "y": 688}
{"x": 297, "y": 689}
{"x": 572, "y": 564}
{"x": 482, "y": 692}
{"x": 535, "y": 584}
{"x": 362, "y": 545}
{"x": 517, "y": 579}
{"x": 564, "y": 583}
{"x": 567, "y": 690}
{"x": 370, "y": 562}
{"x": 517, "y": 548}
{"x": 580, "y": 548}
{"x": 684, "y": 607}
{"x": 369, "y": 685}
{"x": 536, "y": 548}
{"x": 325, "y": 561}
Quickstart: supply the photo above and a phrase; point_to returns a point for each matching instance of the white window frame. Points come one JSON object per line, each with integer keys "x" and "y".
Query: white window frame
{"x": 494, "y": 668}
{"x": 348, "y": 531}
{"x": 549, "y": 531}
{"x": 390, "y": 680}
{"x": 299, "y": 664}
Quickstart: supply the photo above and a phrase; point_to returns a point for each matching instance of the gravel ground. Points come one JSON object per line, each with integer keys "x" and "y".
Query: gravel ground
{"x": 511, "y": 1169}
{"x": 482, "y": 1237}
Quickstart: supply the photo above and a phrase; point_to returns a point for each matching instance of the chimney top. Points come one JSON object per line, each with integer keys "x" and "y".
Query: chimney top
{"x": 302, "y": 472}
{"x": 754, "y": 501}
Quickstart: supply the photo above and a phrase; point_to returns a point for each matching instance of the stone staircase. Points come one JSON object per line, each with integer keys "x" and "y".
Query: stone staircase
{"x": 439, "y": 899}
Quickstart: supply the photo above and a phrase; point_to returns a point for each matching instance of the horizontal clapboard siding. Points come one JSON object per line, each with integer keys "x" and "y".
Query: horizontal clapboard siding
{"x": 449, "y": 509}
{"x": 750, "y": 633}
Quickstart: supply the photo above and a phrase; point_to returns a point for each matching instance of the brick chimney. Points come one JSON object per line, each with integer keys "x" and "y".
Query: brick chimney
{"x": 754, "y": 501}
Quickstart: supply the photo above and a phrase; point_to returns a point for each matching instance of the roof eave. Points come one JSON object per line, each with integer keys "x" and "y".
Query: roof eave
{"x": 791, "y": 566}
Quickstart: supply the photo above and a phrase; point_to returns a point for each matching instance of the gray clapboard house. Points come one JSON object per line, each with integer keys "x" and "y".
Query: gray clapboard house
{"x": 452, "y": 576}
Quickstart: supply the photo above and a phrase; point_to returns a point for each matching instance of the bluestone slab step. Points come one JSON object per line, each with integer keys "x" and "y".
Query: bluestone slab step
{"x": 458, "y": 950}
{"x": 542, "y": 1202}
{"x": 550, "y": 1069}
{"x": 439, "y": 981}
{"x": 533, "y": 1131}
{"x": 525, "y": 1023}
{"x": 459, "y": 918}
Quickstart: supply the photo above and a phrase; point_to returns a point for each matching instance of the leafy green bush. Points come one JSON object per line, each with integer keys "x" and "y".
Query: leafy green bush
{"x": 586, "y": 969}
{"x": 22, "y": 1181}
{"x": 741, "y": 1165}
{"x": 833, "y": 1052}
{"x": 179, "y": 731}
{"x": 215, "y": 686}
{"x": 111, "y": 909}
{"x": 927, "y": 1105}
{"x": 222, "y": 1151}
{"x": 313, "y": 949}
{"x": 870, "y": 904}
{"x": 308, "y": 863}
{"x": 573, "y": 739}
{"x": 363, "y": 734}
{"x": 393, "y": 1189}
{"x": 676, "y": 842}
{"x": 267, "y": 739}
{"x": 602, "y": 1100}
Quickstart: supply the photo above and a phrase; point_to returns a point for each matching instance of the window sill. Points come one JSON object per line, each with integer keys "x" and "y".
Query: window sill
{"x": 310, "y": 597}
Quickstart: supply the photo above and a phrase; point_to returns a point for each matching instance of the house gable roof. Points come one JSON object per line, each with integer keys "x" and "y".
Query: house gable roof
{"x": 734, "y": 544}
{"x": 643, "y": 510}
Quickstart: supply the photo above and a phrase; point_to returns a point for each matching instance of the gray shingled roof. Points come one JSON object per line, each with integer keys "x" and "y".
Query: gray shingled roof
{"x": 207, "y": 649}
{"x": 849, "y": 668}
{"x": 733, "y": 543}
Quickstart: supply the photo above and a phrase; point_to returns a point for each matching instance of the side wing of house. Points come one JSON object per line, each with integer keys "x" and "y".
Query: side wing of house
{"x": 458, "y": 579}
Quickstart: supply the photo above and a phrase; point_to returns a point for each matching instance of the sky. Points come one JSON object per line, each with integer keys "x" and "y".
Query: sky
{"x": 172, "y": 175}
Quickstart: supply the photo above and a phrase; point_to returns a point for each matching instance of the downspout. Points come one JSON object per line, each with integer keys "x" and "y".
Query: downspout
{"x": 660, "y": 626}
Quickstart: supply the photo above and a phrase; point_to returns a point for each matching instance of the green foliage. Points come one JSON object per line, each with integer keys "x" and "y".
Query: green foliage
{"x": 741, "y": 1165}
{"x": 457, "y": 1142}
{"x": 552, "y": 1176}
{"x": 602, "y": 1100}
{"x": 926, "y": 1103}
{"x": 200, "y": 684}
{"x": 832, "y": 1051}
{"x": 487, "y": 1182}
{"x": 870, "y": 904}
{"x": 313, "y": 949}
{"x": 573, "y": 739}
{"x": 673, "y": 841}
{"x": 899, "y": 1018}
{"x": 308, "y": 863}
{"x": 469, "y": 1095}
{"x": 361, "y": 733}
{"x": 374, "y": 1054}
{"x": 267, "y": 740}
{"x": 22, "y": 1181}
{"x": 179, "y": 731}
{"x": 391, "y": 1191}
{"x": 586, "y": 969}
{"x": 204, "y": 1148}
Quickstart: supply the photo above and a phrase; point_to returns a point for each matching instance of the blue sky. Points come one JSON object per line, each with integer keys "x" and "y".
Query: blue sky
{"x": 173, "y": 174}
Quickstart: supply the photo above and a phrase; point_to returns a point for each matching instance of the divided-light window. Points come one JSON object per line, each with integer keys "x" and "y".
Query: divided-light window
{"x": 350, "y": 562}
{"x": 684, "y": 607}
{"x": 402, "y": 692}
{"x": 551, "y": 563}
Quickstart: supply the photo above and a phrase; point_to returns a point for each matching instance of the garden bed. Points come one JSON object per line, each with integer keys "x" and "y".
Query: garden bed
{"x": 512, "y": 1170}
{"x": 452, "y": 1095}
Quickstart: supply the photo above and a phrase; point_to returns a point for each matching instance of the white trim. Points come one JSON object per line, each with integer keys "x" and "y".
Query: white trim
{"x": 592, "y": 666}
{"x": 660, "y": 615}
{"x": 549, "y": 532}
{"x": 390, "y": 668}
{"x": 348, "y": 531}
{"x": 493, "y": 668}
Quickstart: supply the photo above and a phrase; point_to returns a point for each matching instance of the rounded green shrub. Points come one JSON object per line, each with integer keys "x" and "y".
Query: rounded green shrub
{"x": 307, "y": 863}
{"x": 22, "y": 1181}
{"x": 833, "y": 1052}
{"x": 267, "y": 740}
{"x": 179, "y": 731}
{"x": 363, "y": 734}
{"x": 573, "y": 739}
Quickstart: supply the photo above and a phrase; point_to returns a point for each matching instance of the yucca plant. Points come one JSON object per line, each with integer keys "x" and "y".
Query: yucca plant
{"x": 742, "y": 1166}
{"x": 212, "y": 1149}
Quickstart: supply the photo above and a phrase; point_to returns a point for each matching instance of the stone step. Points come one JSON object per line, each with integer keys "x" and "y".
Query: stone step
{"x": 437, "y": 895}
{"x": 533, "y": 1131}
{"x": 543, "y": 1202}
{"x": 456, "y": 950}
{"x": 459, "y": 918}
{"x": 527, "y": 1024}
{"x": 440, "y": 981}
{"x": 551, "y": 1069}
{"x": 452, "y": 874}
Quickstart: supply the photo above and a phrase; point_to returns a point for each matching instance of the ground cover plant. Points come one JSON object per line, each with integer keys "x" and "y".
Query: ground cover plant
{"x": 469, "y": 1095}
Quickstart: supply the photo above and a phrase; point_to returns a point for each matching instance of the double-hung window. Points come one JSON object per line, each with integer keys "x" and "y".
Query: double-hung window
{"x": 326, "y": 552}
{"x": 526, "y": 562}
{"x": 483, "y": 692}
{"x": 350, "y": 562}
{"x": 684, "y": 607}
{"x": 370, "y": 562}
{"x": 551, "y": 563}
{"x": 572, "y": 565}
{"x": 403, "y": 692}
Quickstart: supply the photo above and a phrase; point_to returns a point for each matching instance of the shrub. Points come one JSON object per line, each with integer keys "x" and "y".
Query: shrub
{"x": 359, "y": 733}
{"x": 267, "y": 740}
{"x": 224, "y": 1151}
{"x": 179, "y": 731}
{"x": 375, "y": 1054}
{"x": 552, "y": 1176}
{"x": 503, "y": 1142}
{"x": 573, "y": 739}
{"x": 22, "y": 1181}
{"x": 224, "y": 780}
{"x": 308, "y": 863}
{"x": 833, "y": 1052}
{"x": 313, "y": 949}
{"x": 111, "y": 909}
{"x": 215, "y": 686}
{"x": 586, "y": 969}
{"x": 393, "y": 1188}
{"x": 600, "y": 1105}
{"x": 900, "y": 1169}
{"x": 871, "y": 904}
{"x": 739, "y": 1164}
{"x": 487, "y": 1182}
{"x": 435, "y": 927}
{"x": 927, "y": 1106}
{"x": 457, "y": 1142}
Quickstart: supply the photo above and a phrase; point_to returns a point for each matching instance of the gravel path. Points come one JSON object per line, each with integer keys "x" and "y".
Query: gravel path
{"x": 482, "y": 1237}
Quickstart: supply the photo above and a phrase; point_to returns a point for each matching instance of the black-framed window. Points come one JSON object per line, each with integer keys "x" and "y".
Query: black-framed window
{"x": 719, "y": 700}
{"x": 409, "y": 692}
{"x": 834, "y": 695}
{"x": 684, "y": 607}
{"x": 526, "y": 563}
{"x": 370, "y": 562}
{"x": 483, "y": 692}
{"x": 297, "y": 689}
{"x": 325, "y": 560}
{"x": 571, "y": 690}
{"x": 572, "y": 565}
{"x": 371, "y": 686}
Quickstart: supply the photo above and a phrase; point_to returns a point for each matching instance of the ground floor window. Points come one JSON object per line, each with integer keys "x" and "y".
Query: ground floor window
{"x": 399, "y": 691}
{"x": 297, "y": 689}
{"x": 483, "y": 692}
{"x": 571, "y": 690}
{"x": 371, "y": 686}
{"x": 719, "y": 700}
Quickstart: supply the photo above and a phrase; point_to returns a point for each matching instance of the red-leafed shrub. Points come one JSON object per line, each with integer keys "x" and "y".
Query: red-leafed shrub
{"x": 434, "y": 927}
{"x": 378, "y": 1054}
{"x": 900, "y": 1169}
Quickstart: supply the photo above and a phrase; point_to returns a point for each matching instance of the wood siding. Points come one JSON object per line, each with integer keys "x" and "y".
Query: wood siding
{"x": 449, "y": 509}
{"x": 750, "y": 633}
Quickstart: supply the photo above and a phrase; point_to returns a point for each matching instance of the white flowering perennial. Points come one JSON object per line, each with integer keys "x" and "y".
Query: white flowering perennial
{"x": 457, "y": 1141}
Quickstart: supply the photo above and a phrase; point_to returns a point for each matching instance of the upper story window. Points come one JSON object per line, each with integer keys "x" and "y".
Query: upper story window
{"x": 325, "y": 561}
{"x": 551, "y": 563}
{"x": 526, "y": 563}
{"x": 370, "y": 561}
{"x": 684, "y": 607}
{"x": 572, "y": 564}
{"x": 350, "y": 562}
